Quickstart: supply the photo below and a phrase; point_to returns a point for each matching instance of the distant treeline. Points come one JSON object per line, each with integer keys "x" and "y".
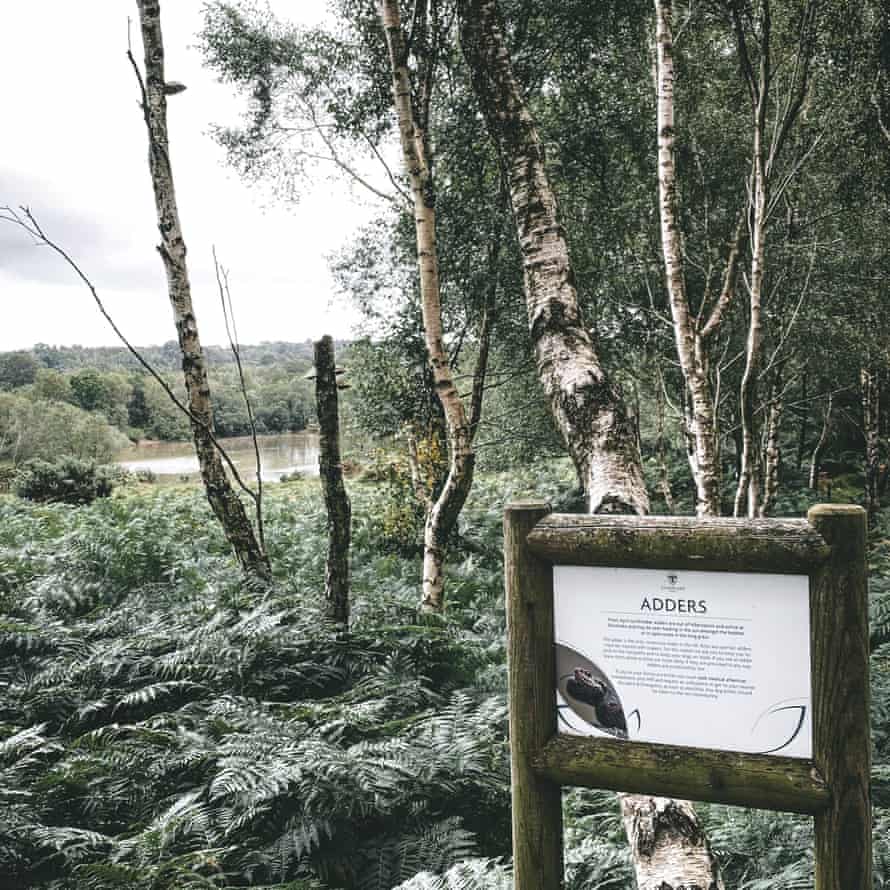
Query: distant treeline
{"x": 106, "y": 391}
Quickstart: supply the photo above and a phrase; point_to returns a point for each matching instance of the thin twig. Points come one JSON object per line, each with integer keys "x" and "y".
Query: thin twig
{"x": 225, "y": 297}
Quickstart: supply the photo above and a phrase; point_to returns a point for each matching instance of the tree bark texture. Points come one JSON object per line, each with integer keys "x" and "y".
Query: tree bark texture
{"x": 816, "y": 459}
{"x": 443, "y": 515}
{"x": 701, "y": 417}
{"x": 330, "y": 467}
{"x": 871, "y": 394}
{"x": 664, "y": 477}
{"x": 772, "y": 455}
{"x": 766, "y": 149}
{"x": 670, "y": 851}
{"x": 222, "y": 496}
{"x": 748, "y": 492}
{"x": 586, "y": 404}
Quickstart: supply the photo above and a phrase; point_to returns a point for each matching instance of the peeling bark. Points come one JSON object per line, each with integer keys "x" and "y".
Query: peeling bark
{"x": 222, "y": 496}
{"x": 442, "y": 516}
{"x": 670, "y": 850}
{"x": 586, "y": 404}
{"x": 701, "y": 418}
{"x": 330, "y": 467}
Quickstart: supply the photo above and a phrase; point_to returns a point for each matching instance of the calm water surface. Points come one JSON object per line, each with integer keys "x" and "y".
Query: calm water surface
{"x": 280, "y": 454}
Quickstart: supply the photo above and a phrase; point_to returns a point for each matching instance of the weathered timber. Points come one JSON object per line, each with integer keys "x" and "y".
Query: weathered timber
{"x": 748, "y": 780}
{"x": 336, "y": 500}
{"x": 537, "y": 802}
{"x": 841, "y": 744}
{"x": 781, "y": 546}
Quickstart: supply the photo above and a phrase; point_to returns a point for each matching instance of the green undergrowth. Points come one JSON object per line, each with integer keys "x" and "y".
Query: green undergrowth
{"x": 164, "y": 725}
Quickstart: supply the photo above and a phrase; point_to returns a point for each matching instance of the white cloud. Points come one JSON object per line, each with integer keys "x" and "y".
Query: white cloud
{"x": 74, "y": 150}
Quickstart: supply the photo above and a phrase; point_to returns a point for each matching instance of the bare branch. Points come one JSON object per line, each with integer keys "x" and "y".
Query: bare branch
{"x": 225, "y": 297}
{"x": 33, "y": 228}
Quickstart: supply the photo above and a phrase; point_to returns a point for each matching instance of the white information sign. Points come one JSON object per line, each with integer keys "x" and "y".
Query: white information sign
{"x": 703, "y": 659}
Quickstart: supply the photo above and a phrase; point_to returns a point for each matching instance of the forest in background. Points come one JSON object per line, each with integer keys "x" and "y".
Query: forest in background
{"x": 89, "y": 402}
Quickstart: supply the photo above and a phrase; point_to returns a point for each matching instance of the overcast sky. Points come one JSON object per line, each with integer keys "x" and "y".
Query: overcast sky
{"x": 74, "y": 150}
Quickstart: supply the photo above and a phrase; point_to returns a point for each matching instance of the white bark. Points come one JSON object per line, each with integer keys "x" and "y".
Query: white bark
{"x": 816, "y": 458}
{"x": 766, "y": 150}
{"x": 670, "y": 851}
{"x": 223, "y": 499}
{"x": 443, "y": 514}
{"x": 585, "y": 403}
{"x": 701, "y": 418}
{"x": 667, "y": 842}
{"x": 771, "y": 451}
{"x": 871, "y": 432}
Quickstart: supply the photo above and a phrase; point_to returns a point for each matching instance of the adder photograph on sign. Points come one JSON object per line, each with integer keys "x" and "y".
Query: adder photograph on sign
{"x": 703, "y": 659}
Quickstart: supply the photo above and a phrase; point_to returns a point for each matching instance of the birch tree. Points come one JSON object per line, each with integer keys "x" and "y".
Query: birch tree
{"x": 692, "y": 334}
{"x": 221, "y": 494}
{"x": 669, "y": 848}
{"x": 769, "y": 135}
{"x": 585, "y": 402}
{"x": 412, "y": 108}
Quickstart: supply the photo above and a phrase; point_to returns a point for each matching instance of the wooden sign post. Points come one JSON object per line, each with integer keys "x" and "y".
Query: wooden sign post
{"x": 769, "y": 567}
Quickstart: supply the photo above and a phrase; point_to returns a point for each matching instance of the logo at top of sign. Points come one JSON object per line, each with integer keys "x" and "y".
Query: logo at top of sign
{"x": 672, "y": 586}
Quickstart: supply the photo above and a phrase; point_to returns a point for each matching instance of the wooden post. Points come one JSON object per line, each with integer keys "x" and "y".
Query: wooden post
{"x": 537, "y": 802}
{"x": 331, "y": 471}
{"x": 841, "y": 744}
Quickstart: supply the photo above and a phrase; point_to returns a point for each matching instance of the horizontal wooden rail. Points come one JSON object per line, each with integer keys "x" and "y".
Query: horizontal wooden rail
{"x": 788, "y": 546}
{"x": 747, "y": 780}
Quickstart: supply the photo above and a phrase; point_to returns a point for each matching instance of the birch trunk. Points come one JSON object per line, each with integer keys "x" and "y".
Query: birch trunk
{"x": 664, "y": 478}
{"x": 670, "y": 850}
{"x": 871, "y": 433}
{"x": 586, "y": 404}
{"x": 766, "y": 151}
{"x": 816, "y": 459}
{"x": 748, "y": 492}
{"x": 442, "y": 517}
{"x": 336, "y": 500}
{"x": 772, "y": 453}
{"x": 701, "y": 419}
{"x": 222, "y": 496}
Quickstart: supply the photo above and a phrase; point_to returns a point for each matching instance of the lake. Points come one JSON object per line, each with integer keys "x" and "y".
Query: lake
{"x": 280, "y": 454}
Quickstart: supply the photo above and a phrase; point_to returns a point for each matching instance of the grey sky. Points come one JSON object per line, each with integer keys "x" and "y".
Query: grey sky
{"x": 74, "y": 148}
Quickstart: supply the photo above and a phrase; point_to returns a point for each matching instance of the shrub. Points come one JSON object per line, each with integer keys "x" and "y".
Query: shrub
{"x": 67, "y": 479}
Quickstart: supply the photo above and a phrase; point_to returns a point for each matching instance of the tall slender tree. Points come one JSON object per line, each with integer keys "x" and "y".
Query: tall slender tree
{"x": 693, "y": 333}
{"x": 412, "y": 102}
{"x": 669, "y": 848}
{"x": 223, "y": 498}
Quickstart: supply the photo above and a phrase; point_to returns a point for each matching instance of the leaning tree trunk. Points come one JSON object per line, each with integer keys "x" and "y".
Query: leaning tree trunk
{"x": 871, "y": 433}
{"x": 330, "y": 468}
{"x": 701, "y": 417}
{"x": 443, "y": 515}
{"x": 222, "y": 496}
{"x": 586, "y": 404}
{"x": 669, "y": 848}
